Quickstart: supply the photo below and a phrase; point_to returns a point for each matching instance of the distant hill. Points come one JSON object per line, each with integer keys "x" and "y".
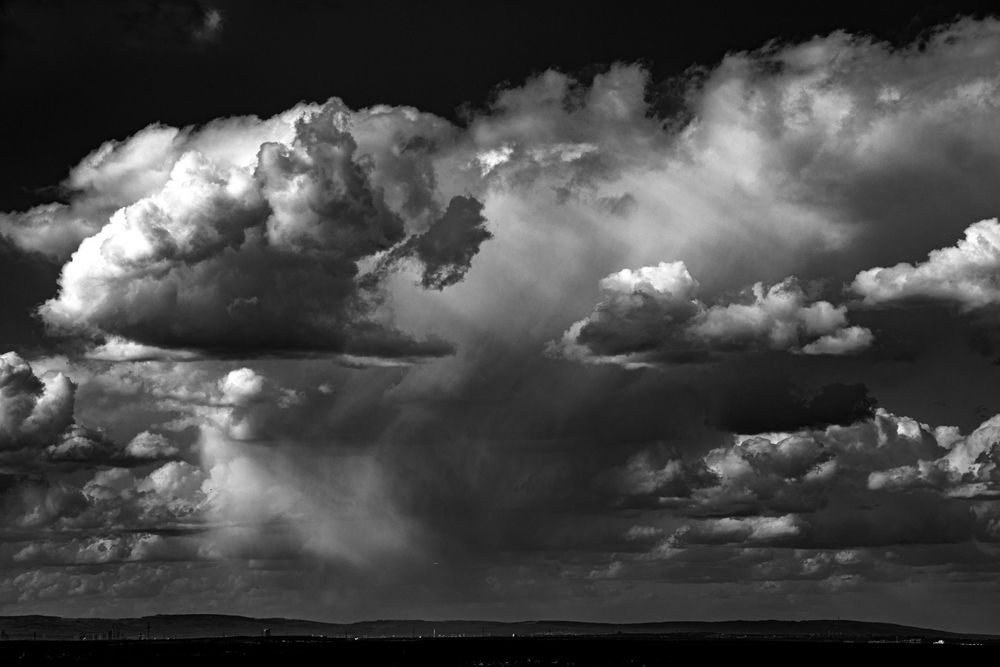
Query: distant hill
{"x": 185, "y": 626}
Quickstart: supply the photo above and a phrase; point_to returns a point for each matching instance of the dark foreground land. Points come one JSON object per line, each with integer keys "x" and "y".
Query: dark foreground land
{"x": 607, "y": 650}
{"x": 208, "y": 639}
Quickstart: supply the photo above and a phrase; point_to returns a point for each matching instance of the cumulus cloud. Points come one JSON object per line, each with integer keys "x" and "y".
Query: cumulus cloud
{"x": 967, "y": 273}
{"x": 241, "y": 386}
{"x": 116, "y": 348}
{"x": 32, "y": 411}
{"x": 816, "y": 159}
{"x": 177, "y": 481}
{"x": 105, "y": 549}
{"x": 83, "y": 446}
{"x": 38, "y": 426}
{"x": 173, "y": 400}
{"x": 744, "y": 530}
{"x": 222, "y": 258}
{"x": 119, "y": 173}
{"x": 151, "y": 446}
{"x": 109, "y": 500}
{"x": 263, "y": 210}
{"x": 843, "y": 110}
{"x": 787, "y": 161}
{"x": 303, "y": 234}
{"x": 228, "y": 496}
{"x": 653, "y": 315}
{"x": 822, "y": 488}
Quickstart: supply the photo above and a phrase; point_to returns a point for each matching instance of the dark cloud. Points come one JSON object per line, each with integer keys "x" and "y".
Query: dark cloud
{"x": 447, "y": 248}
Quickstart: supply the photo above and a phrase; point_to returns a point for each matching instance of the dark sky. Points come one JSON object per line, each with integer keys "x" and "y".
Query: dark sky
{"x": 78, "y": 73}
{"x": 557, "y": 310}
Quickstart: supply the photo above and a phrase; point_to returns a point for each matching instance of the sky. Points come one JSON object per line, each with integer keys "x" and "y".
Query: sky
{"x": 344, "y": 312}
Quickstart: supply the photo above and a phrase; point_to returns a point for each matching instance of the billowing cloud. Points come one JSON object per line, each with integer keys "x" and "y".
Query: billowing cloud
{"x": 119, "y": 173}
{"x": 363, "y": 235}
{"x": 151, "y": 446}
{"x": 241, "y": 386}
{"x": 217, "y": 500}
{"x": 742, "y": 530}
{"x": 967, "y": 273}
{"x": 332, "y": 504}
{"x": 833, "y": 487}
{"x": 653, "y": 315}
{"x": 225, "y": 259}
{"x": 38, "y": 426}
{"x": 33, "y": 412}
{"x": 786, "y": 162}
{"x": 817, "y": 160}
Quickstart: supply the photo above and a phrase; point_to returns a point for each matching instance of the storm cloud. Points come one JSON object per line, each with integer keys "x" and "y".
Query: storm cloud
{"x": 661, "y": 359}
{"x": 252, "y": 243}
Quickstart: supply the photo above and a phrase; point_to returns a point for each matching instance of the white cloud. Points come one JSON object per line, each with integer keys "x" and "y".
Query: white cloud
{"x": 177, "y": 481}
{"x": 119, "y": 173}
{"x": 967, "y": 273}
{"x": 757, "y": 529}
{"x": 150, "y": 446}
{"x": 842, "y": 485}
{"x": 653, "y": 316}
{"x": 790, "y": 165}
{"x": 116, "y": 348}
{"x": 815, "y": 160}
{"x": 241, "y": 386}
{"x": 34, "y": 411}
{"x": 229, "y": 258}
{"x": 842, "y": 341}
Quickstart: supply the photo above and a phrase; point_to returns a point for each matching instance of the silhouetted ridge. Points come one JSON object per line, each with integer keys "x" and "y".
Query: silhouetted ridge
{"x": 178, "y": 626}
